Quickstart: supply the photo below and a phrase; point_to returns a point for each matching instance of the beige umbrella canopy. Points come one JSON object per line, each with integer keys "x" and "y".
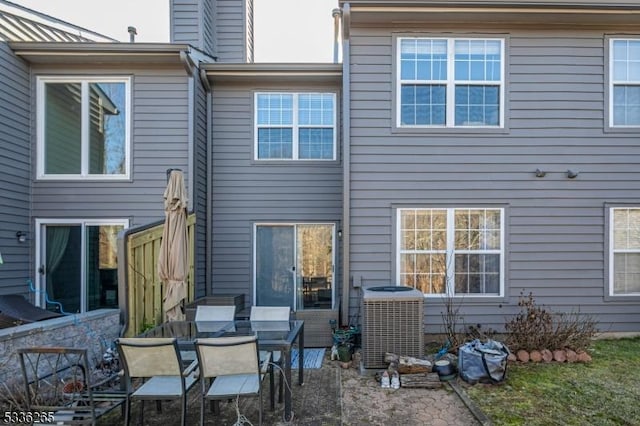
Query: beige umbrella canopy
{"x": 173, "y": 261}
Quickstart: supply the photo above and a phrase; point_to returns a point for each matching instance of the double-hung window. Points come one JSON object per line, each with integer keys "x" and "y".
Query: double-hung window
{"x": 624, "y": 263}
{"x": 450, "y": 82}
{"x": 624, "y": 83}
{"x": 83, "y": 128}
{"x": 295, "y": 126}
{"x": 453, "y": 252}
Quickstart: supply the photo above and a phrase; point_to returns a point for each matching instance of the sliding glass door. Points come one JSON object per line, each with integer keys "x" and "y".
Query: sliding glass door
{"x": 62, "y": 267}
{"x": 77, "y": 264}
{"x": 294, "y": 265}
{"x": 275, "y": 265}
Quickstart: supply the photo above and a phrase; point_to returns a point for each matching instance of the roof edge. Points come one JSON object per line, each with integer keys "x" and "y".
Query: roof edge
{"x": 277, "y": 72}
{"x": 112, "y": 53}
{"x": 279, "y": 68}
{"x": 588, "y": 4}
{"x": 97, "y": 47}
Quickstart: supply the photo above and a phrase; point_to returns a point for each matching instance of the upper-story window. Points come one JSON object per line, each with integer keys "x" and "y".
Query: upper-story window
{"x": 624, "y": 264}
{"x": 450, "y": 82}
{"x": 83, "y": 128}
{"x": 295, "y": 126}
{"x": 624, "y": 83}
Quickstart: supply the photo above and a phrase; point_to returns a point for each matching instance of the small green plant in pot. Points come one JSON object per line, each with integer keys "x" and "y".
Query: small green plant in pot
{"x": 344, "y": 353}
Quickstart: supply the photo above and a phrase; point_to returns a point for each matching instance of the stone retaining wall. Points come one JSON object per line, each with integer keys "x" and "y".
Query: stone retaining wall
{"x": 95, "y": 330}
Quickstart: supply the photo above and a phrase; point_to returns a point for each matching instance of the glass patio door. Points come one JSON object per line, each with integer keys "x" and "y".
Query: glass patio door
{"x": 77, "y": 265}
{"x": 275, "y": 265}
{"x": 294, "y": 265}
{"x": 61, "y": 267}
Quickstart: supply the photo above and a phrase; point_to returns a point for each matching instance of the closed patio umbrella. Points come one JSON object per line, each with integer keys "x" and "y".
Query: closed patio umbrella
{"x": 173, "y": 262}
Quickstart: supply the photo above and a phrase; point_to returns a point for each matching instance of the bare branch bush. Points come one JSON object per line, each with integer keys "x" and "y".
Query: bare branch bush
{"x": 537, "y": 328}
{"x": 452, "y": 322}
{"x": 475, "y": 331}
{"x": 12, "y": 397}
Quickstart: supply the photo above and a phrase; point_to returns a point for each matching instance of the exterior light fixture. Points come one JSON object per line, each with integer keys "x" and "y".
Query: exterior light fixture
{"x": 339, "y": 233}
{"x": 540, "y": 173}
{"x": 572, "y": 174}
{"x": 21, "y": 236}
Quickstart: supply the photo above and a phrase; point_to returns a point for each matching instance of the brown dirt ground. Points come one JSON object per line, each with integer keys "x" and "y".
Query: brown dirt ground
{"x": 330, "y": 395}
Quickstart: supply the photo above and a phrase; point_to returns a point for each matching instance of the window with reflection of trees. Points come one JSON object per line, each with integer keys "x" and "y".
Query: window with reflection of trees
{"x": 625, "y": 246}
{"x": 83, "y": 127}
{"x": 456, "y": 251}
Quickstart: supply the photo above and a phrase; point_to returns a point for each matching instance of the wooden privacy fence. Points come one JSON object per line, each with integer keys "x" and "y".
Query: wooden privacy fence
{"x": 141, "y": 289}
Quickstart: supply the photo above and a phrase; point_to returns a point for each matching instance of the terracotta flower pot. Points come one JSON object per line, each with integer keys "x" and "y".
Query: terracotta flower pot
{"x": 73, "y": 386}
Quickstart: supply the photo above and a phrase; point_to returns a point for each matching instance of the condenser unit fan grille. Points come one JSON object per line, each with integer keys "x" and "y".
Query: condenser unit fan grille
{"x": 391, "y": 323}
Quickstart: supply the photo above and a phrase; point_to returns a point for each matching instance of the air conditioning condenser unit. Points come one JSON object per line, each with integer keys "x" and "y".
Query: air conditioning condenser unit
{"x": 392, "y": 321}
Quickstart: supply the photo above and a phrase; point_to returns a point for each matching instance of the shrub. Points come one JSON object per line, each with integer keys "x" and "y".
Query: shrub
{"x": 475, "y": 331}
{"x": 453, "y": 324}
{"x": 537, "y": 328}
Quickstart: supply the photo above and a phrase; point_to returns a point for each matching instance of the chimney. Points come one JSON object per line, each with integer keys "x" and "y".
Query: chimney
{"x": 132, "y": 34}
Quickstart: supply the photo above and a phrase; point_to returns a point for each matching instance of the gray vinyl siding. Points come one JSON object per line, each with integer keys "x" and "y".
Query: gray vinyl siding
{"x": 193, "y": 22}
{"x": 246, "y": 192}
{"x": 230, "y": 25}
{"x": 185, "y": 23}
{"x": 555, "y": 226}
{"x": 220, "y": 28}
{"x": 15, "y": 178}
{"x": 207, "y": 22}
{"x": 200, "y": 187}
{"x": 160, "y": 133}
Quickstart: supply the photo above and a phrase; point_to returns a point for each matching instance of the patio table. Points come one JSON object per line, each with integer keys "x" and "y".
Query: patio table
{"x": 272, "y": 336}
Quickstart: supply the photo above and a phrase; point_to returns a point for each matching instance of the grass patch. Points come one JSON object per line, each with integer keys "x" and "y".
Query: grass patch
{"x": 603, "y": 392}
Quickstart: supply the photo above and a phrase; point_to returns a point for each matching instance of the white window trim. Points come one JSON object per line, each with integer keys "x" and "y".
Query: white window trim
{"x": 295, "y": 126}
{"x": 613, "y": 83}
{"x": 613, "y": 251}
{"x": 84, "y": 81}
{"x": 450, "y": 84}
{"x": 41, "y": 287}
{"x": 450, "y": 251}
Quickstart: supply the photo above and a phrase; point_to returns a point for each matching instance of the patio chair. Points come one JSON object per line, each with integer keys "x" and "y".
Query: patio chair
{"x": 210, "y": 318}
{"x": 59, "y": 387}
{"x": 217, "y": 317}
{"x": 269, "y": 314}
{"x": 158, "y": 363}
{"x": 234, "y": 365}
{"x": 215, "y": 313}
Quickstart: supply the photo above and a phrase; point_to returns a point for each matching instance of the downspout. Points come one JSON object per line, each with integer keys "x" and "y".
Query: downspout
{"x": 209, "y": 179}
{"x": 337, "y": 14}
{"x": 189, "y": 67}
{"x": 187, "y": 62}
{"x": 346, "y": 166}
